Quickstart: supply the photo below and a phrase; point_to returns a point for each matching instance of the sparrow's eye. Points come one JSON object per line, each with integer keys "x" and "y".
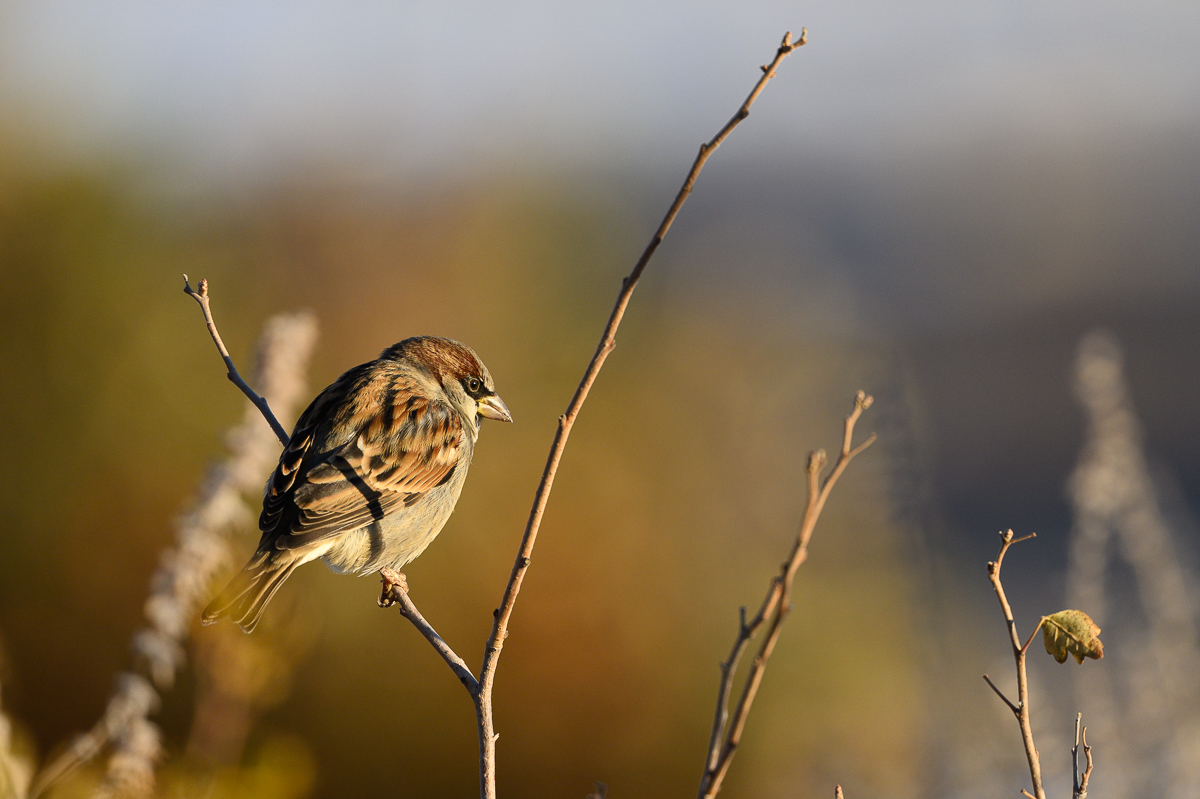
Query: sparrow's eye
{"x": 473, "y": 384}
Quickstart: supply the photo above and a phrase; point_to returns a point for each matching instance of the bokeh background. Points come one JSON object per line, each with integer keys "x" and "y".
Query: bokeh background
{"x": 934, "y": 201}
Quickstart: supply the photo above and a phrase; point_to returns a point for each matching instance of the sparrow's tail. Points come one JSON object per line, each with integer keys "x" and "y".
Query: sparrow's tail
{"x": 247, "y": 595}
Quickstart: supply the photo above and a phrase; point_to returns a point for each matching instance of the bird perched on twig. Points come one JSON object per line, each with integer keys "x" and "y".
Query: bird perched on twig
{"x": 372, "y": 472}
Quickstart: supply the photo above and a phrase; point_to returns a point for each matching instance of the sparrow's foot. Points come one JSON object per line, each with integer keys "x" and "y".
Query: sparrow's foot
{"x": 392, "y": 581}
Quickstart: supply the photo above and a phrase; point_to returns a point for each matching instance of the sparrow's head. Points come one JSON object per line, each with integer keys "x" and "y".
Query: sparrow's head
{"x": 461, "y": 374}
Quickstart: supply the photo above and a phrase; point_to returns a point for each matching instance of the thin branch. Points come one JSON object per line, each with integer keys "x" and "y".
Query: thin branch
{"x": 1032, "y": 635}
{"x": 1080, "y": 784}
{"x": 495, "y": 641}
{"x": 729, "y": 669}
{"x": 1087, "y": 772}
{"x": 1022, "y": 711}
{"x": 395, "y": 591}
{"x": 776, "y": 606}
{"x": 1000, "y": 694}
{"x": 201, "y": 298}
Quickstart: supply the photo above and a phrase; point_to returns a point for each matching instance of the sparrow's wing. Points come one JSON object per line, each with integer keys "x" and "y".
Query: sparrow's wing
{"x": 401, "y": 444}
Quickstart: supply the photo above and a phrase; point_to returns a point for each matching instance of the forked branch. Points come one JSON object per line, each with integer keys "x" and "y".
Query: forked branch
{"x": 1021, "y": 708}
{"x": 776, "y": 605}
{"x": 1080, "y": 781}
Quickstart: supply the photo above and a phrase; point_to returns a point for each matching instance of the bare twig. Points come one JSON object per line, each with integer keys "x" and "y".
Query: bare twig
{"x": 395, "y": 591}
{"x": 1021, "y": 709}
{"x": 201, "y": 298}
{"x": 1080, "y": 783}
{"x": 482, "y": 693}
{"x": 607, "y": 343}
{"x": 1000, "y": 694}
{"x": 776, "y": 606}
{"x": 1032, "y": 635}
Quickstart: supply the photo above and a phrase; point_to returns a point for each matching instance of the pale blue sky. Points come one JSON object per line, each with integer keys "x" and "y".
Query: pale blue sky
{"x": 398, "y": 89}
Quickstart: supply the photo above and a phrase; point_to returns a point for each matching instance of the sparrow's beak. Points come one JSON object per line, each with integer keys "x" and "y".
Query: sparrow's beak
{"x": 492, "y": 407}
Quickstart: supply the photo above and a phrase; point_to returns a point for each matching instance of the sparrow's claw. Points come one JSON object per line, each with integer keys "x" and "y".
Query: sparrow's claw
{"x": 392, "y": 581}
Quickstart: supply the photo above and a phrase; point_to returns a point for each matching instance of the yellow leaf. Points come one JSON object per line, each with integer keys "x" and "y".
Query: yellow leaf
{"x": 1072, "y": 631}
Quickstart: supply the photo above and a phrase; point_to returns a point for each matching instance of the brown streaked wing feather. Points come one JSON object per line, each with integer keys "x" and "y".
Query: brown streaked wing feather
{"x": 300, "y": 454}
{"x": 283, "y": 479}
{"x": 405, "y": 446}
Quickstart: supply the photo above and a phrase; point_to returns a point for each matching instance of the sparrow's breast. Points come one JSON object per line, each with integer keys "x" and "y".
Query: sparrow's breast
{"x": 403, "y": 534}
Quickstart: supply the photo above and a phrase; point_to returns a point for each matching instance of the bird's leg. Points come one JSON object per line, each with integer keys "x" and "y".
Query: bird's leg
{"x": 392, "y": 581}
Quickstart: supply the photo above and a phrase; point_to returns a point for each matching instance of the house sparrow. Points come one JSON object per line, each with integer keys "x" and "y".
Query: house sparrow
{"x": 372, "y": 472}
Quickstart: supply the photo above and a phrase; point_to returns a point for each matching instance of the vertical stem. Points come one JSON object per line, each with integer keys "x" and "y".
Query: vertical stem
{"x": 1022, "y": 711}
{"x": 1075, "y": 758}
{"x": 495, "y": 641}
{"x": 487, "y": 743}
